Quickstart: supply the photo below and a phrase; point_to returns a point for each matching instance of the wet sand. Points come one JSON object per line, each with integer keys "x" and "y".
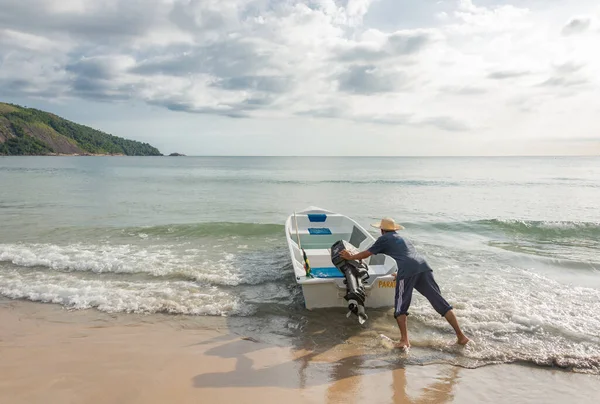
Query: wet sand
{"x": 51, "y": 355}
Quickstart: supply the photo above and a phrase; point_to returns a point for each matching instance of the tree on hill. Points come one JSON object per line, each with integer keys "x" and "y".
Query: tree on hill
{"x": 88, "y": 139}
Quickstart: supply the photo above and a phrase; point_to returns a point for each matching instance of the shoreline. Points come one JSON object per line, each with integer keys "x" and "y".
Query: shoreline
{"x": 53, "y": 355}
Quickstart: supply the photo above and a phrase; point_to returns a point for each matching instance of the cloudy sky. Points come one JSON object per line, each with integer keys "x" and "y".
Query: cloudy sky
{"x": 314, "y": 77}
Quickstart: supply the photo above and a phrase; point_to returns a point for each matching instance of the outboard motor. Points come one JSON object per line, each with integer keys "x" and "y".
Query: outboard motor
{"x": 355, "y": 273}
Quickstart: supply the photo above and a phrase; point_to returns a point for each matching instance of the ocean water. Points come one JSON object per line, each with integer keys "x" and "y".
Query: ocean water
{"x": 514, "y": 243}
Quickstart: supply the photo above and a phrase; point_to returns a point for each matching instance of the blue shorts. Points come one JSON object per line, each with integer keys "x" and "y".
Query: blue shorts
{"x": 426, "y": 285}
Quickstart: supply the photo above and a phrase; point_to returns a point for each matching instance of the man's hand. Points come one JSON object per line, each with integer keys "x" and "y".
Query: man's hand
{"x": 345, "y": 254}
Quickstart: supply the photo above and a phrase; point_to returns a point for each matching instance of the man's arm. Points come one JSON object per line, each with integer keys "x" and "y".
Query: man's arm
{"x": 377, "y": 248}
{"x": 360, "y": 256}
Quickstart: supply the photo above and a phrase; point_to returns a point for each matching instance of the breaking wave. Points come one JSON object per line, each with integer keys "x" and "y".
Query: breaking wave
{"x": 173, "y": 297}
{"x": 212, "y": 229}
{"x": 544, "y": 229}
{"x": 512, "y": 314}
{"x": 525, "y": 228}
{"x": 569, "y": 243}
{"x": 239, "y": 267}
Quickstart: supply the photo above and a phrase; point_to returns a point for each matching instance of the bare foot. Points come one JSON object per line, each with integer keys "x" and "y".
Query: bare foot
{"x": 403, "y": 345}
{"x": 462, "y": 340}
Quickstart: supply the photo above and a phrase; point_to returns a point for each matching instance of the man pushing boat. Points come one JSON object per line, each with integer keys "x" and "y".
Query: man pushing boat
{"x": 413, "y": 273}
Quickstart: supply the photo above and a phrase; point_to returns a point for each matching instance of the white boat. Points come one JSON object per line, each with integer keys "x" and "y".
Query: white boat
{"x": 314, "y": 231}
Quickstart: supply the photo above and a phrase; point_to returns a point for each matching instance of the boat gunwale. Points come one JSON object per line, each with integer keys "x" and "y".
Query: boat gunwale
{"x": 304, "y": 280}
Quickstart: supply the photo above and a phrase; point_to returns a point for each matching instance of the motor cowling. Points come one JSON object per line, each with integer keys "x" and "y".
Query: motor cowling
{"x": 355, "y": 273}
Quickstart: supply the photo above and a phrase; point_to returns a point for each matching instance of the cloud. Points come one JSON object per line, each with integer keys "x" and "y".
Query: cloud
{"x": 369, "y": 79}
{"x": 101, "y": 77}
{"x": 446, "y": 123}
{"x": 568, "y": 67}
{"x": 389, "y": 119}
{"x": 408, "y": 42}
{"x": 576, "y": 26}
{"x": 99, "y": 21}
{"x": 396, "y": 44}
{"x": 223, "y": 58}
{"x": 558, "y": 81}
{"x": 566, "y": 75}
{"x": 231, "y": 111}
{"x": 507, "y": 74}
{"x": 323, "y": 112}
{"x": 492, "y": 20}
{"x": 268, "y": 84}
{"x": 326, "y": 59}
{"x": 463, "y": 90}
{"x": 100, "y": 67}
{"x": 27, "y": 42}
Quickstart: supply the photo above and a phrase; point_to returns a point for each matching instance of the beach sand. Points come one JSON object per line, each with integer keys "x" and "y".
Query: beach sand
{"x": 52, "y": 355}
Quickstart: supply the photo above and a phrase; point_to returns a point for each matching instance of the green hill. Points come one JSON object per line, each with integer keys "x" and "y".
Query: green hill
{"x": 28, "y": 131}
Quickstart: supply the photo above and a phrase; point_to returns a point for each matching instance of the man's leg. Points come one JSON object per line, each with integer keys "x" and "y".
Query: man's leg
{"x": 451, "y": 318}
{"x": 404, "y": 288}
{"x": 404, "y": 342}
{"x": 427, "y": 286}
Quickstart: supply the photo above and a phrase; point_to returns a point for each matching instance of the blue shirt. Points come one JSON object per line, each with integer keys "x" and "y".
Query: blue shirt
{"x": 409, "y": 261}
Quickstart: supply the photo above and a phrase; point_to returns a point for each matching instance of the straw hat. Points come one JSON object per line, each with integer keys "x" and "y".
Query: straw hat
{"x": 388, "y": 224}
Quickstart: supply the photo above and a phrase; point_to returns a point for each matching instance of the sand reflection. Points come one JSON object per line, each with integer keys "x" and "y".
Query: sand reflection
{"x": 338, "y": 374}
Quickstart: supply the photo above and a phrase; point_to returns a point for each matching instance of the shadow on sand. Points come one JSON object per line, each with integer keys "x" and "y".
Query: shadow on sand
{"x": 319, "y": 357}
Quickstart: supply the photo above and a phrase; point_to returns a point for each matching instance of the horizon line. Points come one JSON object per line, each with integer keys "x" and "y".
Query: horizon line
{"x": 388, "y": 156}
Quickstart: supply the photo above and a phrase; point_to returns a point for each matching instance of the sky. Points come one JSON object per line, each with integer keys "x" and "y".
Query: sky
{"x": 314, "y": 77}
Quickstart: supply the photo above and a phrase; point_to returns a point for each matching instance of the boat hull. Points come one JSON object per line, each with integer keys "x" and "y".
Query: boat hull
{"x": 312, "y": 232}
{"x": 328, "y": 294}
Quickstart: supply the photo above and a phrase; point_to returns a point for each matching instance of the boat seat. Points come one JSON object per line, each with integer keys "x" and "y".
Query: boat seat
{"x": 318, "y": 251}
{"x": 315, "y": 231}
{"x": 333, "y": 272}
{"x": 319, "y": 231}
{"x": 378, "y": 269}
{"x": 326, "y": 272}
{"x": 319, "y": 257}
{"x": 317, "y": 217}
